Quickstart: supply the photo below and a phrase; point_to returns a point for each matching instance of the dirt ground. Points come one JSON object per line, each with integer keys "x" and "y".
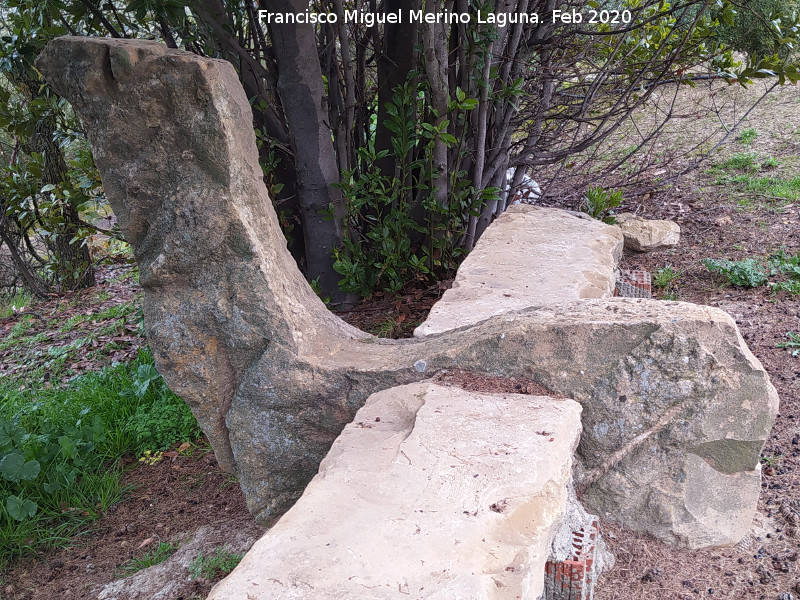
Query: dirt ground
{"x": 718, "y": 221}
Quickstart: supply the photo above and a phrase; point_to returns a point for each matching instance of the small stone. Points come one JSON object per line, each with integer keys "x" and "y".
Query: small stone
{"x": 645, "y": 235}
{"x": 764, "y": 575}
{"x": 653, "y": 574}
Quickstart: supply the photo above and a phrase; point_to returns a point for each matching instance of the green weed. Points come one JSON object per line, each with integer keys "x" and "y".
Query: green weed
{"x": 793, "y": 287}
{"x": 741, "y": 161}
{"x": 747, "y": 136}
{"x": 781, "y": 262}
{"x": 73, "y": 322}
{"x": 743, "y": 273}
{"x": 215, "y": 565}
{"x": 792, "y": 344}
{"x": 385, "y": 329}
{"x": 599, "y": 203}
{"x": 153, "y": 557}
{"x": 665, "y": 277}
{"x": 13, "y": 303}
{"x": 753, "y": 272}
{"x": 770, "y": 163}
{"x": 117, "y": 311}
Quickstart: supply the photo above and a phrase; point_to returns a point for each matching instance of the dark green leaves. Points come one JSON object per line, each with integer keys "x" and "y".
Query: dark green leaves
{"x": 20, "y": 509}
{"x": 14, "y": 467}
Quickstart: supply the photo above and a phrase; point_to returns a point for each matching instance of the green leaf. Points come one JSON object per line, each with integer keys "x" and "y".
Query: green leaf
{"x": 68, "y": 446}
{"x": 5, "y": 438}
{"x": 13, "y": 467}
{"x": 20, "y": 509}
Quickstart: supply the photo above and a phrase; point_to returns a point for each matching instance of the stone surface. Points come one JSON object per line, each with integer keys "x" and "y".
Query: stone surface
{"x": 432, "y": 492}
{"x": 170, "y": 579}
{"x": 669, "y": 390}
{"x": 529, "y": 256}
{"x": 647, "y": 235}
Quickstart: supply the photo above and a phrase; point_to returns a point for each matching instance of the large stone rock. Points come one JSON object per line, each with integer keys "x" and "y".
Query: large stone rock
{"x": 432, "y": 492}
{"x": 530, "y": 256}
{"x": 648, "y": 235}
{"x": 671, "y": 394}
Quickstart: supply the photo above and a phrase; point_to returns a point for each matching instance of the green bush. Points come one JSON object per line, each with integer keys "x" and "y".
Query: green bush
{"x": 389, "y": 243}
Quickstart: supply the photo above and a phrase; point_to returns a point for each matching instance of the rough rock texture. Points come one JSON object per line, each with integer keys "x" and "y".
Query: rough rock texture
{"x": 432, "y": 492}
{"x": 529, "y": 256}
{"x": 646, "y": 235}
{"x": 671, "y": 394}
{"x": 170, "y": 579}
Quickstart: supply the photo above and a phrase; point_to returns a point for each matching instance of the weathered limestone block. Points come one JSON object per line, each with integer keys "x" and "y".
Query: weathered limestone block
{"x": 529, "y": 256}
{"x": 648, "y": 235}
{"x": 432, "y": 492}
{"x": 669, "y": 390}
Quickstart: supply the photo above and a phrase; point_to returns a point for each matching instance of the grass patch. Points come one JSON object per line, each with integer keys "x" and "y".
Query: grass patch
{"x": 44, "y": 351}
{"x": 151, "y": 558}
{"x": 747, "y": 136}
{"x": 741, "y": 170}
{"x": 215, "y": 565}
{"x": 774, "y": 187}
{"x": 742, "y": 161}
{"x": 61, "y": 449}
{"x": 13, "y": 303}
{"x": 117, "y": 311}
{"x": 17, "y": 332}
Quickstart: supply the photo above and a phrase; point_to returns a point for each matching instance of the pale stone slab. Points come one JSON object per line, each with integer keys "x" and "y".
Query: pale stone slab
{"x": 530, "y": 256}
{"x": 432, "y": 492}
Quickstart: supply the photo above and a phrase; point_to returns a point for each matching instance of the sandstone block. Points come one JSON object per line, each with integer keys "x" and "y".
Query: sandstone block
{"x": 648, "y": 235}
{"x": 528, "y": 257}
{"x": 432, "y": 492}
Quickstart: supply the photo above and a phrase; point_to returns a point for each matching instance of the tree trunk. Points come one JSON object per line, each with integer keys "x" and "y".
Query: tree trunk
{"x": 75, "y": 269}
{"x": 396, "y": 61}
{"x": 301, "y": 91}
